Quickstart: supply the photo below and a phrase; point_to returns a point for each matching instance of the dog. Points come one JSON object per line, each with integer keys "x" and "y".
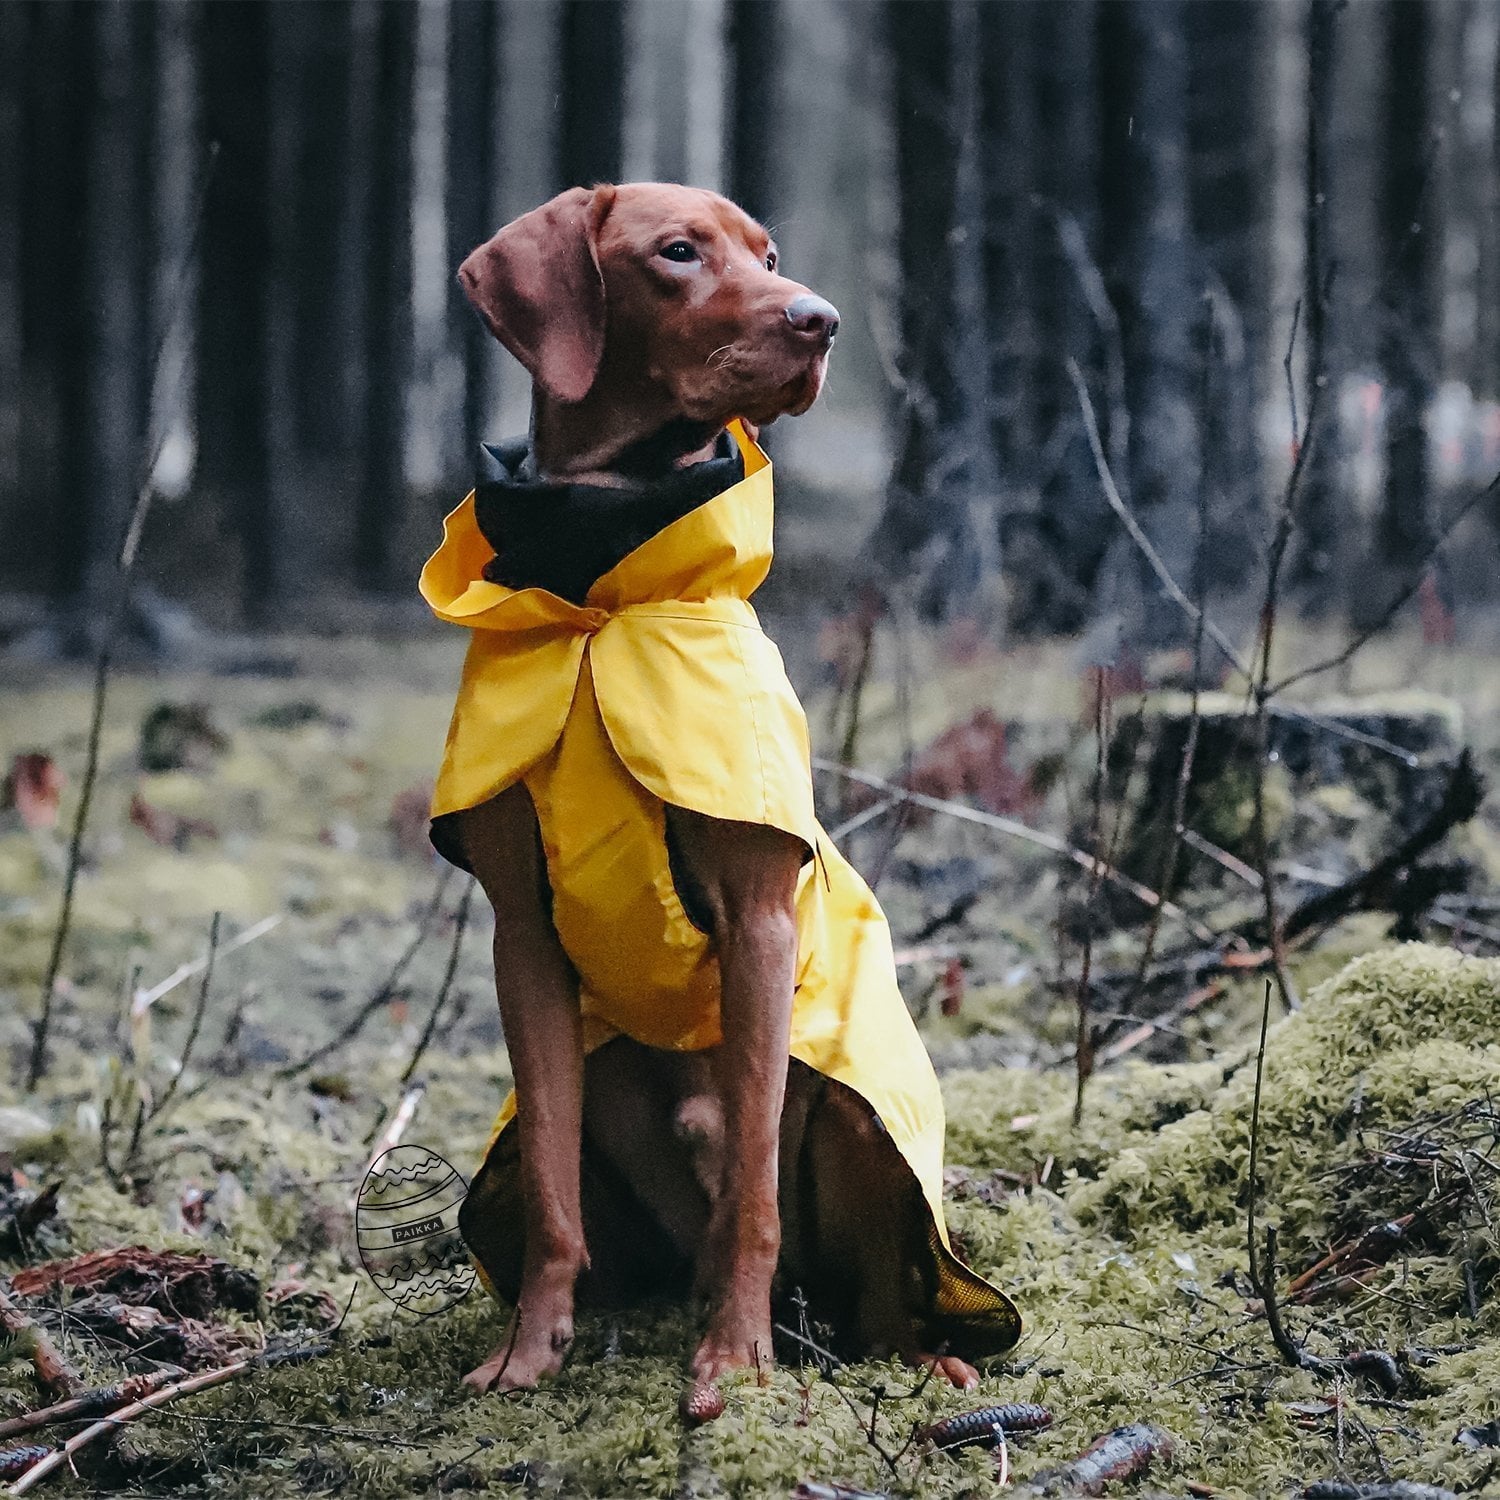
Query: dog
{"x": 716, "y": 1081}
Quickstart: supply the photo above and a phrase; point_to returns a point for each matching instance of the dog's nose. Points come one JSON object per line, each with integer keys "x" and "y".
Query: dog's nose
{"x": 816, "y": 318}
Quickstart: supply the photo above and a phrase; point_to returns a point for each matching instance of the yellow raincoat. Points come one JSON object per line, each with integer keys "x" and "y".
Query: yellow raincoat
{"x": 662, "y": 688}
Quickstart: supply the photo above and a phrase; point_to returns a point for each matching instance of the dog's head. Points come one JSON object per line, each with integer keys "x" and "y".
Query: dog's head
{"x": 650, "y": 282}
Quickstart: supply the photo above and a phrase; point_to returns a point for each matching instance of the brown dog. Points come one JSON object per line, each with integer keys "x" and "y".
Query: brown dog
{"x": 649, "y": 316}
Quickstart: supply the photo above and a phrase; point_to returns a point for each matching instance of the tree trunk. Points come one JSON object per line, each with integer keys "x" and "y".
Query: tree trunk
{"x": 1316, "y": 548}
{"x": 1159, "y": 280}
{"x": 473, "y": 190}
{"x": 1407, "y": 343}
{"x": 55, "y": 336}
{"x": 116, "y": 288}
{"x": 1227, "y": 91}
{"x": 941, "y": 495}
{"x": 754, "y": 28}
{"x": 1007, "y": 124}
{"x": 15, "y": 31}
{"x": 234, "y": 457}
{"x": 379, "y": 506}
{"x": 592, "y": 41}
{"x": 324, "y": 146}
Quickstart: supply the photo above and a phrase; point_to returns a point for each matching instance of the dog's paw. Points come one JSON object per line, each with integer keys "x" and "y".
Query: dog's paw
{"x": 957, "y": 1372}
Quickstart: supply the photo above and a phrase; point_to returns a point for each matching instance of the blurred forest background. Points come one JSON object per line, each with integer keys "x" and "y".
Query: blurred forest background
{"x": 1158, "y": 190}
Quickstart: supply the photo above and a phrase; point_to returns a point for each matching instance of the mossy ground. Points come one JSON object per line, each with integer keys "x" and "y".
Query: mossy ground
{"x": 1128, "y": 1260}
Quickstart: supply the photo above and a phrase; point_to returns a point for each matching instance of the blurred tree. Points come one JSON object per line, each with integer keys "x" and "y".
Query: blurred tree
{"x": 1408, "y": 322}
{"x": 1316, "y": 543}
{"x": 1055, "y": 534}
{"x": 1157, "y": 277}
{"x": 943, "y": 474}
{"x": 234, "y": 441}
{"x": 116, "y": 287}
{"x": 473, "y": 188}
{"x": 138, "y": 74}
{"x": 322, "y": 53}
{"x": 53, "y": 267}
{"x": 1229, "y": 141}
{"x": 754, "y": 40}
{"x": 387, "y": 315}
{"x": 15, "y": 30}
{"x": 592, "y": 43}
{"x": 1008, "y": 124}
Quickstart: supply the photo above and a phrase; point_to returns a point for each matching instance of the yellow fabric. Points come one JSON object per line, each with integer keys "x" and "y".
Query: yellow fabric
{"x": 662, "y": 688}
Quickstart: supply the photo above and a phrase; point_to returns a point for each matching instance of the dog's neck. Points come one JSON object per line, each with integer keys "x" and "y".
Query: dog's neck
{"x": 627, "y": 429}
{"x": 563, "y": 450}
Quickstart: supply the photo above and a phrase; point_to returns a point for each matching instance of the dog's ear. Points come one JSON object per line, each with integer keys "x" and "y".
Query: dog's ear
{"x": 538, "y": 287}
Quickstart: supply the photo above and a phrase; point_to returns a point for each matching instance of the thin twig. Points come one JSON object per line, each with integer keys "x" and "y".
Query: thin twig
{"x": 460, "y": 924}
{"x": 1091, "y": 281}
{"x": 1394, "y": 608}
{"x": 194, "y": 1026}
{"x": 1254, "y": 1193}
{"x": 125, "y": 569}
{"x": 393, "y": 1132}
{"x": 850, "y": 825}
{"x": 1018, "y": 830}
{"x": 388, "y": 987}
{"x": 142, "y": 1000}
{"x": 1175, "y": 835}
{"x": 1083, "y": 1052}
{"x": 1138, "y": 535}
{"x": 1263, "y": 1274}
{"x": 1260, "y": 693}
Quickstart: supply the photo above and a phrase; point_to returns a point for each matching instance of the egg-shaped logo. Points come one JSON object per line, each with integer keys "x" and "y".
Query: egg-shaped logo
{"x": 406, "y": 1220}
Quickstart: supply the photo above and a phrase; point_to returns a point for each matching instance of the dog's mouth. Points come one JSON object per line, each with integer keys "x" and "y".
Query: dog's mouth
{"x": 789, "y": 399}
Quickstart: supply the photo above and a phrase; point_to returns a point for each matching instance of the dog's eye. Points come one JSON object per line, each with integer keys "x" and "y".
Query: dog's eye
{"x": 680, "y": 251}
{"x": 771, "y": 261}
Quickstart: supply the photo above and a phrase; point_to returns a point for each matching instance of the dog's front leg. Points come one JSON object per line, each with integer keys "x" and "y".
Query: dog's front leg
{"x": 745, "y": 875}
{"x": 538, "y": 993}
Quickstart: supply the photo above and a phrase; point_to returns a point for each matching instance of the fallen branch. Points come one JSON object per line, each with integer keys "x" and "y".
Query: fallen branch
{"x": 116, "y": 1420}
{"x": 1460, "y": 801}
{"x": 1120, "y": 1454}
{"x": 1018, "y": 830}
{"x": 1147, "y": 1029}
{"x": 95, "y": 1403}
{"x": 55, "y": 1375}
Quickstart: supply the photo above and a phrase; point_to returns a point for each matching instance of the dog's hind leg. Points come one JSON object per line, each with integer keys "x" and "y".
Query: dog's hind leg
{"x": 871, "y": 1229}
{"x": 538, "y": 993}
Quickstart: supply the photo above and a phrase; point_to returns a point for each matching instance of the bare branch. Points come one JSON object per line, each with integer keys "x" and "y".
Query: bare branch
{"x": 460, "y": 926}
{"x": 1397, "y": 604}
{"x": 1018, "y": 830}
{"x": 1138, "y": 535}
{"x": 125, "y": 570}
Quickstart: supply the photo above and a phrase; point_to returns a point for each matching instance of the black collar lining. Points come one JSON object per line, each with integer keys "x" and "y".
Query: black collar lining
{"x": 564, "y": 537}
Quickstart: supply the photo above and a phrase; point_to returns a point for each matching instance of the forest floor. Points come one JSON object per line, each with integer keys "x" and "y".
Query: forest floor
{"x": 299, "y": 797}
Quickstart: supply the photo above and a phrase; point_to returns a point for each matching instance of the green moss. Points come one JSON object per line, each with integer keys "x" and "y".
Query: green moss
{"x": 1128, "y": 1262}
